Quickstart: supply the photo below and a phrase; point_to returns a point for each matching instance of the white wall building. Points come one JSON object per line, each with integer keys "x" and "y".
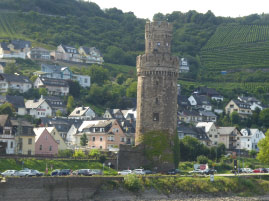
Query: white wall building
{"x": 38, "y": 108}
{"x": 250, "y": 138}
{"x": 211, "y": 131}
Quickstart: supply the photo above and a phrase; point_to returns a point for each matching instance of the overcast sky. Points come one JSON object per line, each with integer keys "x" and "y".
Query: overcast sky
{"x": 147, "y": 8}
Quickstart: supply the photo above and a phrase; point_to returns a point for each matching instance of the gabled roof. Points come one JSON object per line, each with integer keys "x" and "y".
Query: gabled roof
{"x": 54, "y": 82}
{"x": 226, "y": 130}
{"x": 33, "y": 104}
{"x": 201, "y": 99}
{"x": 66, "y": 47}
{"x": 248, "y": 99}
{"x": 207, "y": 91}
{"x": 199, "y": 133}
{"x": 54, "y": 68}
{"x": 4, "y": 46}
{"x": 241, "y": 104}
{"x": 79, "y": 111}
{"x": 206, "y": 125}
{"x": 207, "y": 113}
{"x": 39, "y": 131}
{"x": 182, "y": 100}
{"x": 89, "y": 50}
{"x": 15, "y": 78}
{"x": 3, "y": 119}
{"x": 40, "y": 49}
{"x": 20, "y": 44}
{"x": 16, "y": 101}
{"x": 190, "y": 113}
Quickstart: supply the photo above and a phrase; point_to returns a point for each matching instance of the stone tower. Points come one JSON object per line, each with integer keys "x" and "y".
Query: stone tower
{"x": 157, "y": 72}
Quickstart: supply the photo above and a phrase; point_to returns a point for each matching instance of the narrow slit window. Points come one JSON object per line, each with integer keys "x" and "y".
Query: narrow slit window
{"x": 155, "y": 116}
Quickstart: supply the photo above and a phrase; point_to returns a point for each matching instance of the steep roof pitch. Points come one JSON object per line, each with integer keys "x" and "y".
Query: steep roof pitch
{"x": 241, "y": 104}
{"x": 67, "y": 47}
{"x": 27, "y": 127}
{"x": 201, "y": 99}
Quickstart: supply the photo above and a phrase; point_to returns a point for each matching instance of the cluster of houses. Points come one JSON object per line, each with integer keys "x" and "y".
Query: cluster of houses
{"x": 54, "y": 134}
{"x": 23, "y": 49}
{"x": 54, "y": 78}
{"x": 197, "y": 118}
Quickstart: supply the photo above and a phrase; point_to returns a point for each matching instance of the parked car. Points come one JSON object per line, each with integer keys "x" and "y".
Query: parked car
{"x": 55, "y": 172}
{"x": 209, "y": 171}
{"x": 239, "y": 170}
{"x": 149, "y": 172}
{"x": 125, "y": 172}
{"x": 246, "y": 170}
{"x": 8, "y": 173}
{"x": 84, "y": 172}
{"x": 37, "y": 173}
{"x": 173, "y": 171}
{"x": 139, "y": 171}
{"x": 26, "y": 173}
{"x": 64, "y": 172}
{"x": 260, "y": 170}
{"x": 197, "y": 171}
{"x": 96, "y": 172}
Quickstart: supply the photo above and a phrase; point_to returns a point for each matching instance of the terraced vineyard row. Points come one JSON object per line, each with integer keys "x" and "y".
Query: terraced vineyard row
{"x": 8, "y": 26}
{"x": 229, "y": 35}
{"x": 237, "y": 47}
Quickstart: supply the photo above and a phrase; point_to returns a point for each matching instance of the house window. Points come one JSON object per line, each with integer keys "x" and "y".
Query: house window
{"x": 101, "y": 147}
{"x": 93, "y": 139}
{"x": 210, "y": 135}
{"x": 29, "y": 140}
{"x": 158, "y": 44}
{"x": 50, "y": 148}
{"x": 58, "y": 141}
{"x": 85, "y": 80}
{"x": 11, "y": 145}
{"x": 156, "y": 100}
{"x": 122, "y": 139}
{"x": 29, "y": 152}
{"x": 101, "y": 139}
{"x": 231, "y": 106}
{"x": 248, "y": 139}
{"x": 155, "y": 116}
{"x": 40, "y": 147}
{"x": 248, "y": 145}
{"x": 46, "y": 137}
{"x": 216, "y": 136}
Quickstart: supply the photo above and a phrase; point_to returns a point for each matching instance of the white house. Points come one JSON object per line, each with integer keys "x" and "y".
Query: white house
{"x": 16, "y": 82}
{"x": 85, "y": 113}
{"x": 211, "y": 131}
{"x": 250, "y": 138}
{"x": 15, "y": 49}
{"x": 38, "y": 108}
{"x": 83, "y": 80}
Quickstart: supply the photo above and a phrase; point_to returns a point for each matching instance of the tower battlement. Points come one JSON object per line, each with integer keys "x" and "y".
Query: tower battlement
{"x": 158, "y": 36}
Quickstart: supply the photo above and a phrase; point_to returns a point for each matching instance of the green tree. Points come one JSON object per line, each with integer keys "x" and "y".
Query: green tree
{"x": 264, "y": 117}
{"x": 7, "y": 108}
{"x": 94, "y": 153}
{"x": 263, "y": 145}
{"x": 59, "y": 113}
{"x": 252, "y": 153}
{"x": 43, "y": 91}
{"x": 83, "y": 140}
{"x": 98, "y": 74}
{"x": 79, "y": 154}
{"x": 202, "y": 159}
{"x": 70, "y": 104}
{"x": 11, "y": 68}
{"x": 235, "y": 118}
{"x": 131, "y": 91}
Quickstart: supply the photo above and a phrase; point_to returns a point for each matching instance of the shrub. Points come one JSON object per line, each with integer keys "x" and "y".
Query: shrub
{"x": 79, "y": 154}
{"x": 133, "y": 183}
{"x": 65, "y": 153}
{"x": 202, "y": 159}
